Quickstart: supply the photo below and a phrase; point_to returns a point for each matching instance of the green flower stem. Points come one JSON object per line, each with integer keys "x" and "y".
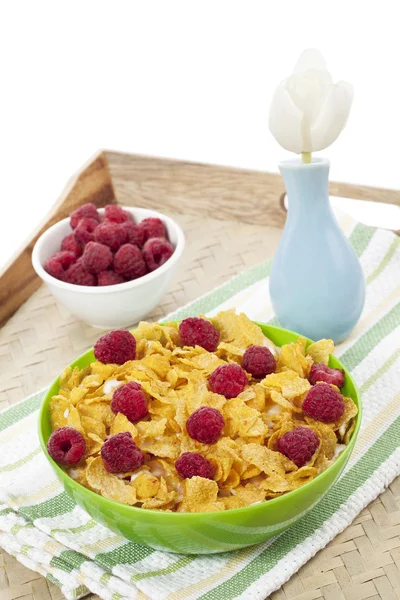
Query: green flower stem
{"x": 306, "y": 157}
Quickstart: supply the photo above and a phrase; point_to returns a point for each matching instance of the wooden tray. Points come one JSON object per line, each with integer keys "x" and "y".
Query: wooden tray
{"x": 232, "y": 219}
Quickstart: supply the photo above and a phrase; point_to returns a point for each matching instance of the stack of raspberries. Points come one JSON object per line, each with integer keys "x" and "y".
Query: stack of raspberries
{"x": 109, "y": 249}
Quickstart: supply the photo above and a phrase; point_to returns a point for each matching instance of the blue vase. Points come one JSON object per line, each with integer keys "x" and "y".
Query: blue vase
{"x": 317, "y": 286}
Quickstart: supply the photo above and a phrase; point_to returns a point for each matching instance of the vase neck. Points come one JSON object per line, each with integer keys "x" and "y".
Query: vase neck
{"x": 306, "y": 186}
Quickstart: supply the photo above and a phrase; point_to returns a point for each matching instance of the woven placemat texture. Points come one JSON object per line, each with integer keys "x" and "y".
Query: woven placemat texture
{"x": 362, "y": 562}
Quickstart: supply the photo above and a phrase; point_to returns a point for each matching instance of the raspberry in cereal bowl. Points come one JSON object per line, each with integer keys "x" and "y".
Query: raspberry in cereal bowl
{"x": 180, "y": 448}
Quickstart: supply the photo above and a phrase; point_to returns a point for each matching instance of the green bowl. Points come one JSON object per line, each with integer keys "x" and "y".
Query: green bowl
{"x": 204, "y": 533}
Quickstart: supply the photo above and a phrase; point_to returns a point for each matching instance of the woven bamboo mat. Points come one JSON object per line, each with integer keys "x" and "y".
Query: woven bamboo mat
{"x": 36, "y": 343}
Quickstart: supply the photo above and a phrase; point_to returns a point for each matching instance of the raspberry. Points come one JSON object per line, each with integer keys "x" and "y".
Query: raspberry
{"x": 116, "y": 214}
{"x": 129, "y": 262}
{"x": 53, "y": 267}
{"x": 152, "y": 228}
{"x": 120, "y": 454}
{"x": 96, "y": 257}
{"x": 129, "y": 400}
{"x": 199, "y": 332}
{"x": 259, "y": 361}
{"x": 84, "y": 231}
{"x": 323, "y": 403}
{"x": 78, "y": 275}
{"x": 205, "y": 425}
{"x": 320, "y": 372}
{"x": 111, "y": 234}
{"x": 156, "y": 252}
{"x": 66, "y": 446}
{"x": 70, "y": 244}
{"x": 117, "y": 347}
{"x": 109, "y": 278}
{"x": 228, "y": 380}
{"x": 86, "y": 210}
{"x": 66, "y": 258}
{"x": 134, "y": 234}
{"x": 299, "y": 445}
{"x": 58, "y": 264}
{"x": 190, "y": 464}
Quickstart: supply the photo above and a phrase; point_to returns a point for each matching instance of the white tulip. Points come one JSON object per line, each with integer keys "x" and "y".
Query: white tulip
{"x": 308, "y": 111}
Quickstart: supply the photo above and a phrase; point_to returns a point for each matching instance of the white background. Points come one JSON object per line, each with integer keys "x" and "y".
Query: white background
{"x": 185, "y": 79}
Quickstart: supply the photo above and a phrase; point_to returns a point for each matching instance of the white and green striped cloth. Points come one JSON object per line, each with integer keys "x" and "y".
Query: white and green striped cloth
{"x": 49, "y": 533}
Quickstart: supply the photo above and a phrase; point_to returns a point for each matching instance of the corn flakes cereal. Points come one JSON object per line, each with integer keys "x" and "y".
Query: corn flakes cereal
{"x": 103, "y": 371}
{"x": 292, "y": 356}
{"x": 91, "y": 425}
{"x": 59, "y": 411}
{"x": 108, "y": 485}
{"x": 288, "y": 383}
{"x": 157, "y": 363}
{"x": 120, "y": 424}
{"x": 239, "y": 331}
{"x": 163, "y": 497}
{"x": 166, "y": 446}
{"x": 230, "y": 352}
{"x": 74, "y": 419}
{"x": 319, "y": 351}
{"x": 241, "y": 420}
{"x": 225, "y": 456}
{"x": 148, "y": 332}
{"x": 255, "y": 397}
{"x": 146, "y": 486}
{"x": 100, "y": 411}
{"x": 282, "y": 402}
{"x": 245, "y": 495}
{"x": 326, "y": 435}
{"x": 79, "y": 475}
{"x": 77, "y": 394}
{"x": 245, "y": 463}
{"x": 270, "y": 462}
{"x": 345, "y": 421}
{"x": 201, "y": 494}
{"x": 93, "y": 444}
{"x": 151, "y": 430}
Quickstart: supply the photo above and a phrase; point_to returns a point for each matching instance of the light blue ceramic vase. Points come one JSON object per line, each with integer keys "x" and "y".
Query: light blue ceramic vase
{"x": 317, "y": 286}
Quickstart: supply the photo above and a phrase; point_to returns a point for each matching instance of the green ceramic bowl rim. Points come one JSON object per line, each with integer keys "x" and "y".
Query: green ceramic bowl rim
{"x": 274, "y": 502}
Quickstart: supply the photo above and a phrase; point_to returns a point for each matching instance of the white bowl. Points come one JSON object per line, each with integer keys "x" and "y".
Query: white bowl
{"x": 111, "y": 306}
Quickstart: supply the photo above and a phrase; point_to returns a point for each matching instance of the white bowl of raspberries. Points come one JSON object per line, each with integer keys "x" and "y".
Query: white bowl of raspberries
{"x": 109, "y": 267}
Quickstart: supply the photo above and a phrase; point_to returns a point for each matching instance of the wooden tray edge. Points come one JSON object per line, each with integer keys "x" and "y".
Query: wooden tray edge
{"x": 18, "y": 280}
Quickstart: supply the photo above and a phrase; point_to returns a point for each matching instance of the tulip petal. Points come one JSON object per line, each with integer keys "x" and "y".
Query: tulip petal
{"x": 306, "y": 94}
{"x": 310, "y": 59}
{"x": 322, "y": 79}
{"x": 308, "y": 112}
{"x": 332, "y": 117}
{"x": 285, "y": 121}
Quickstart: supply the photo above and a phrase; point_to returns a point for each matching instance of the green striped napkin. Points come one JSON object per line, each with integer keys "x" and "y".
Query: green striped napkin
{"x": 48, "y": 532}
